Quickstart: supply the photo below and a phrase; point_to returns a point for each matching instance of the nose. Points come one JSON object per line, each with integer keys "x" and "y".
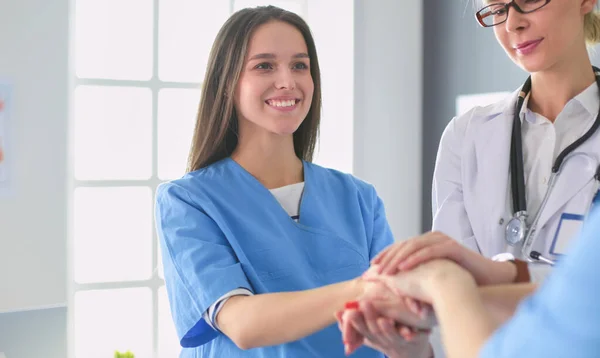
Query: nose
{"x": 285, "y": 79}
{"x": 515, "y": 22}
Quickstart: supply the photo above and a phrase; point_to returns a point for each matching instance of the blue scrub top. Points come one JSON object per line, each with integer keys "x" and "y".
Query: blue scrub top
{"x": 220, "y": 229}
{"x": 562, "y": 319}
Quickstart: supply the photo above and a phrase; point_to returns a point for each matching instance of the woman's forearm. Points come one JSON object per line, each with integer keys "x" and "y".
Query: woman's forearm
{"x": 276, "y": 318}
{"x": 464, "y": 321}
{"x": 501, "y": 301}
{"x": 468, "y": 315}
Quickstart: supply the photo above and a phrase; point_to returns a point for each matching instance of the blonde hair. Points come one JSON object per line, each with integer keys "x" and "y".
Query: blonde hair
{"x": 591, "y": 27}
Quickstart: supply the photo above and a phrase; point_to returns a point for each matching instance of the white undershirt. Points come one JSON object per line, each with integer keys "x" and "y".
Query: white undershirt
{"x": 543, "y": 141}
{"x": 289, "y": 197}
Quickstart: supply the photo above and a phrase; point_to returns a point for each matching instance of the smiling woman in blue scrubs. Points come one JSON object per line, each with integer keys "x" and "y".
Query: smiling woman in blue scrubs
{"x": 260, "y": 246}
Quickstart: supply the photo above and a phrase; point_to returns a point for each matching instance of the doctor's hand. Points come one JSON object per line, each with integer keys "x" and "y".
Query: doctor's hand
{"x": 362, "y": 324}
{"x": 406, "y": 255}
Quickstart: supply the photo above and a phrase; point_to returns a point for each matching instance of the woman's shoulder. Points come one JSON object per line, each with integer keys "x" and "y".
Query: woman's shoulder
{"x": 196, "y": 182}
{"x": 334, "y": 177}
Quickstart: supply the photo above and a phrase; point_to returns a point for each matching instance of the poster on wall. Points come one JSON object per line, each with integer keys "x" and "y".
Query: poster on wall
{"x": 6, "y": 153}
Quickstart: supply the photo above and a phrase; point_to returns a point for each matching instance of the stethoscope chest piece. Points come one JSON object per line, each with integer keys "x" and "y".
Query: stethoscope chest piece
{"x": 516, "y": 229}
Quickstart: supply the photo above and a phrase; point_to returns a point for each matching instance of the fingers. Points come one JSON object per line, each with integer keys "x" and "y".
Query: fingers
{"x": 386, "y": 252}
{"x": 371, "y": 327}
{"x": 391, "y": 256}
{"x": 371, "y": 316}
{"x": 384, "y": 333}
{"x": 356, "y": 328}
{"x": 398, "y": 311}
{"x": 387, "y": 327}
{"x": 445, "y": 249}
{"x": 406, "y": 333}
{"x": 339, "y": 318}
{"x": 413, "y": 305}
{"x": 389, "y": 265}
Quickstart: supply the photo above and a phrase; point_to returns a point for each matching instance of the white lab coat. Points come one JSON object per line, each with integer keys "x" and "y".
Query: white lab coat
{"x": 471, "y": 187}
{"x": 471, "y": 198}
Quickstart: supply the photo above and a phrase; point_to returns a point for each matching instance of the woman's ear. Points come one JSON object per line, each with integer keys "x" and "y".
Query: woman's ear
{"x": 588, "y": 6}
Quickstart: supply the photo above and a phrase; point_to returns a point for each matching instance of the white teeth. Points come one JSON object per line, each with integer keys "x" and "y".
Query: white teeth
{"x": 287, "y": 103}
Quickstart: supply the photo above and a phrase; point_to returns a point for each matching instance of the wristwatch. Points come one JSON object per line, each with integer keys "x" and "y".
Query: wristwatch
{"x": 522, "y": 267}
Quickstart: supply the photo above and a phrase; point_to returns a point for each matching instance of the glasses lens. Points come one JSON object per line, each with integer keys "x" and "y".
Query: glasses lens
{"x": 530, "y": 5}
{"x": 493, "y": 14}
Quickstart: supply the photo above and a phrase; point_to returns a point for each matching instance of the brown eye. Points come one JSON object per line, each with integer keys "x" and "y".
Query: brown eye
{"x": 264, "y": 66}
{"x": 300, "y": 66}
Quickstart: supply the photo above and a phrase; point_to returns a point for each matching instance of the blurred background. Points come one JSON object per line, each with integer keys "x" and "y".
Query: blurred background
{"x": 97, "y": 104}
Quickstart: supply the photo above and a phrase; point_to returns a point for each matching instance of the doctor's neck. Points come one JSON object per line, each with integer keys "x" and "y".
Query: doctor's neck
{"x": 271, "y": 159}
{"x": 551, "y": 89}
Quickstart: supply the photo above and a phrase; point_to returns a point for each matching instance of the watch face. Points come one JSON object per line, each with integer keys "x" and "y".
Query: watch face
{"x": 503, "y": 257}
{"x": 514, "y": 231}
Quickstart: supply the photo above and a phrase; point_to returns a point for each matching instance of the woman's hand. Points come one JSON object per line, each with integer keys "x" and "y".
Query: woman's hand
{"x": 365, "y": 325}
{"x": 397, "y": 307}
{"x": 406, "y": 255}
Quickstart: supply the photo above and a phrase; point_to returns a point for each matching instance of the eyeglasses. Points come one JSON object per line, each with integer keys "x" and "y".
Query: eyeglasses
{"x": 496, "y": 14}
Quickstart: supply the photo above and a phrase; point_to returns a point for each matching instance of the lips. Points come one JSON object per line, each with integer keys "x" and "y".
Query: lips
{"x": 527, "y": 47}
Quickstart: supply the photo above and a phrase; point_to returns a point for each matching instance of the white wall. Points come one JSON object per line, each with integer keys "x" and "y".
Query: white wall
{"x": 387, "y": 106}
{"x": 33, "y": 55}
{"x": 335, "y": 47}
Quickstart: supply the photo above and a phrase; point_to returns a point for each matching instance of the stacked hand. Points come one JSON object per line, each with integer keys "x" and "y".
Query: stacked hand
{"x": 406, "y": 255}
{"x": 395, "y": 314}
{"x": 384, "y": 320}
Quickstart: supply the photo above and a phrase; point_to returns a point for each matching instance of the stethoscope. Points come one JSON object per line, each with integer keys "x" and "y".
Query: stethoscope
{"x": 517, "y": 230}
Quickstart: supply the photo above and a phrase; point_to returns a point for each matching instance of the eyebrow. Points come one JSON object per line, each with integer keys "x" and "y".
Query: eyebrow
{"x": 262, "y": 56}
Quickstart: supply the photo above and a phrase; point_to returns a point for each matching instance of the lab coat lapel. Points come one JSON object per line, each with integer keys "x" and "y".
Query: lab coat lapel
{"x": 492, "y": 148}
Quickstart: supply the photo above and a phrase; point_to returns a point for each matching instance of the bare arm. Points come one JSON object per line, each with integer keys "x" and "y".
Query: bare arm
{"x": 276, "y": 318}
{"x": 501, "y": 301}
{"x": 468, "y": 315}
{"x": 464, "y": 320}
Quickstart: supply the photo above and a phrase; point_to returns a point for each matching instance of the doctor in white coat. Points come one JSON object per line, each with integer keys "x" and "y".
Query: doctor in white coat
{"x": 532, "y": 157}
{"x": 515, "y": 180}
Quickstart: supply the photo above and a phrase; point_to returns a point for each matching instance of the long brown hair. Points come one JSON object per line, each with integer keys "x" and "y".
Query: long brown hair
{"x": 216, "y": 131}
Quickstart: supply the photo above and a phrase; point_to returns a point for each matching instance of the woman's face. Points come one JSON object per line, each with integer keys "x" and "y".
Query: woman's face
{"x": 275, "y": 89}
{"x": 545, "y": 38}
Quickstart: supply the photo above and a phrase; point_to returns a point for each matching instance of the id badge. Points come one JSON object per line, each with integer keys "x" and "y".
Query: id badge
{"x": 568, "y": 228}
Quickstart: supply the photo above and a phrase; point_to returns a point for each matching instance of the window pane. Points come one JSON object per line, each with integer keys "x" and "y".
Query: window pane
{"x": 295, "y": 6}
{"x": 113, "y": 234}
{"x": 168, "y": 343}
{"x": 187, "y": 29}
{"x": 110, "y": 320}
{"x": 113, "y": 133}
{"x": 177, "y": 109}
{"x": 160, "y": 268}
{"x": 113, "y": 39}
